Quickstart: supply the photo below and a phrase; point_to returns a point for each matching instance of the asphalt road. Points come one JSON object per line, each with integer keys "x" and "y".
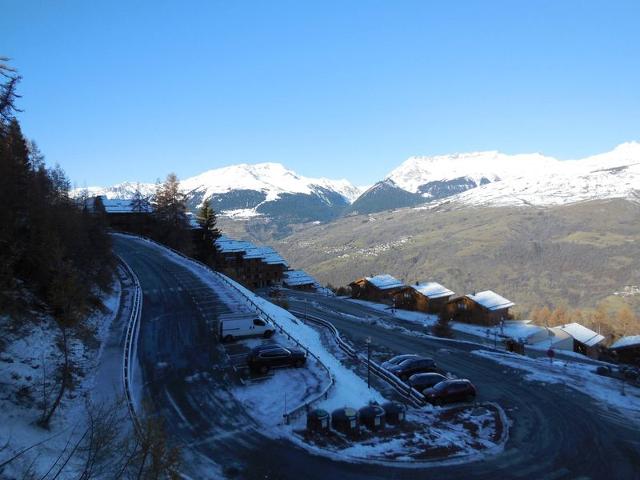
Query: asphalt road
{"x": 556, "y": 432}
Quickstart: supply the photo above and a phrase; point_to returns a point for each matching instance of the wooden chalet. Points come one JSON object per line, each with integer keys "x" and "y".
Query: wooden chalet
{"x": 254, "y": 267}
{"x": 298, "y": 280}
{"x": 380, "y": 288}
{"x": 429, "y": 297}
{"x": 121, "y": 215}
{"x": 483, "y": 308}
{"x": 627, "y": 349}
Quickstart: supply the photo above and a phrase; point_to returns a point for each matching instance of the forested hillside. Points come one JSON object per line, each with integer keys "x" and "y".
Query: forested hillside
{"x": 49, "y": 245}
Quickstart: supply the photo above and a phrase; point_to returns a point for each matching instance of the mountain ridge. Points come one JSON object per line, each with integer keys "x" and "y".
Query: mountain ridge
{"x": 245, "y": 191}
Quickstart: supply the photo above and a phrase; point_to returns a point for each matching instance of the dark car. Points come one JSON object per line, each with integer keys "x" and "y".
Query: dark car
{"x": 264, "y": 358}
{"x": 420, "y": 381}
{"x": 411, "y": 366}
{"x": 398, "y": 359}
{"x": 450, "y": 391}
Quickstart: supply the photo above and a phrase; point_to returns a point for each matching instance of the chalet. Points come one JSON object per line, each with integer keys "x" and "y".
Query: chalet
{"x": 585, "y": 341}
{"x": 627, "y": 349}
{"x": 254, "y": 267}
{"x": 380, "y": 288}
{"x": 429, "y": 297}
{"x": 571, "y": 337}
{"x": 298, "y": 280}
{"x": 122, "y": 214}
{"x": 484, "y": 308}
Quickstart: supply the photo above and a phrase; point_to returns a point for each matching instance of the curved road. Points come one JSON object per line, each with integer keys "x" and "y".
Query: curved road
{"x": 556, "y": 432}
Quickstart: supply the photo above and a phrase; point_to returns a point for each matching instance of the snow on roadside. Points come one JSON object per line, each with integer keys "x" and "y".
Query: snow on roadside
{"x": 578, "y": 376}
{"x": 424, "y": 319}
{"x": 267, "y": 399}
{"x": 510, "y": 329}
{"x": 28, "y": 364}
{"x": 349, "y": 389}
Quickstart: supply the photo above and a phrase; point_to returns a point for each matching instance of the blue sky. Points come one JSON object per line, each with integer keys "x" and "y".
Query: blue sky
{"x": 118, "y": 91}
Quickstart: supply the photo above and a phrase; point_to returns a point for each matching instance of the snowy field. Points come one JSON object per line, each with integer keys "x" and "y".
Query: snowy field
{"x": 29, "y": 359}
{"x": 610, "y": 393}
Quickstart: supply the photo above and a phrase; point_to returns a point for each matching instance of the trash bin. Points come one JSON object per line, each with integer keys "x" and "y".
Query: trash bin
{"x": 345, "y": 420}
{"x": 394, "y": 413}
{"x": 372, "y": 417}
{"x": 318, "y": 420}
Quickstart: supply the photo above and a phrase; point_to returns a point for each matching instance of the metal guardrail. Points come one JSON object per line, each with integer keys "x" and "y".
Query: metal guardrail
{"x": 130, "y": 344}
{"x": 293, "y": 412}
{"x": 406, "y": 391}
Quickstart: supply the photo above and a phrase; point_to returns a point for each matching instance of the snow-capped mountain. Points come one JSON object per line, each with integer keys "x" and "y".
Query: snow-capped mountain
{"x": 271, "y": 178}
{"x": 262, "y": 189}
{"x": 272, "y": 191}
{"x": 494, "y": 178}
{"x": 417, "y": 174}
{"x": 614, "y": 174}
{"x": 118, "y": 191}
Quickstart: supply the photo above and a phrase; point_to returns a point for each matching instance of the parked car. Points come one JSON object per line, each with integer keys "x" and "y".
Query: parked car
{"x": 398, "y": 359}
{"x": 264, "y": 358}
{"x": 411, "y": 366}
{"x": 421, "y": 381}
{"x": 450, "y": 391}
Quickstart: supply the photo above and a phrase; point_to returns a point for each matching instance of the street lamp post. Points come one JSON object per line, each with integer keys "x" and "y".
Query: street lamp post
{"x": 368, "y": 340}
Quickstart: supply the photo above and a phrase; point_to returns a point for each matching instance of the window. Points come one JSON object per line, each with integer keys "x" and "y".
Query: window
{"x": 258, "y": 322}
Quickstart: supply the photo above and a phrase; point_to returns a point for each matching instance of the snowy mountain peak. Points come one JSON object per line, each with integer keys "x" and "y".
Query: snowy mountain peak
{"x": 478, "y": 167}
{"x": 613, "y": 174}
{"x": 271, "y": 178}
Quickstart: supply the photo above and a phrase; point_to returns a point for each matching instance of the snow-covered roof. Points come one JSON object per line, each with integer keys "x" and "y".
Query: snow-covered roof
{"x": 384, "y": 282}
{"x": 432, "y": 290}
{"x": 120, "y": 205}
{"x": 229, "y": 245}
{"x": 491, "y": 300}
{"x": 117, "y": 205}
{"x": 267, "y": 254}
{"x": 298, "y": 277}
{"x": 249, "y": 251}
{"x": 582, "y": 334}
{"x": 628, "y": 341}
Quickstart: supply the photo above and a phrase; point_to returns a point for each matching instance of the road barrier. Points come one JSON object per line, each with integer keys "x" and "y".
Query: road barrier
{"x": 290, "y": 413}
{"x": 130, "y": 344}
{"x": 409, "y": 394}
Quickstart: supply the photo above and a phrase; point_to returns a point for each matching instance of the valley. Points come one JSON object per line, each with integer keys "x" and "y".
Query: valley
{"x": 575, "y": 255}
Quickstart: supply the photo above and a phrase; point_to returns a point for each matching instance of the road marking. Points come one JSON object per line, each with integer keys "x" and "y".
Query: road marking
{"x": 177, "y": 409}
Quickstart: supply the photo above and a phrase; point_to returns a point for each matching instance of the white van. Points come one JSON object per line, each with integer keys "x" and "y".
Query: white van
{"x": 241, "y": 325}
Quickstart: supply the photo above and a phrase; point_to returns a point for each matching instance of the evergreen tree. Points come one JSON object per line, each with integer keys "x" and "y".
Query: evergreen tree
{"x": 207, "y": 220}
{"x": 208, "y": 233}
